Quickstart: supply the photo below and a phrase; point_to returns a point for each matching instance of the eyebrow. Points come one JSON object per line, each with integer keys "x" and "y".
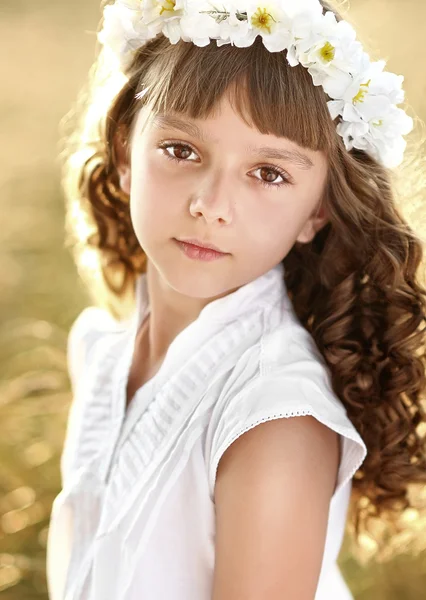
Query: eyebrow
{"x": 300, "y": 159}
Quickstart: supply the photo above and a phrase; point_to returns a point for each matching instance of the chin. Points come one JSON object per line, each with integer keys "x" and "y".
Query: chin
{"x": 195, "y": 283}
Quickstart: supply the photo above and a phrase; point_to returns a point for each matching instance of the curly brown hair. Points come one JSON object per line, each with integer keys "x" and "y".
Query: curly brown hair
{"x": 355, "y": 287}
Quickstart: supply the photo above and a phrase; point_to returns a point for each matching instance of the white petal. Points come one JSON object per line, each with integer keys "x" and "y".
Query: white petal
{"x": 342, "y": 130}
{"x": 198, "y": 26}
{"x": 389, "y": 84}
{"x": 335, "y": 108}
{"x": 318, "y": 75}
{"x": 350, "y": 113}
{"x": 328, "y": 22}
{"x": 345, "y": 31}
{"x": 244, "y": 41}
{"x": 278, "y": 41}
{"x": 373, "y": 107}
{"x": 336, "y": 87}
{"x": 398, "y": 122}
{"x": 301, "y": 26}
{"x": 405, "y": 123}
{"x": 292, "y": 56}
{"x": 393, "y": 156}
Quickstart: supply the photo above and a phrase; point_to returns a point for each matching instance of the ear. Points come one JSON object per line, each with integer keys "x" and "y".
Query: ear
{"x": 122, "y": 160}
{"x": 315, "y": 222}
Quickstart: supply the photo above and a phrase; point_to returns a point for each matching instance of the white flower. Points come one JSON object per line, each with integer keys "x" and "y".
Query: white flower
{"x": 237, "y": 31}
{"x": 119, "y": 31}
{"x": 386, "y": 135}
{"x": 157, "y": 15}
{"x": 304, "y": 36}
{"x": 371, "y": 120}
{"x": 327, "y": 48}
{"x": 366, "y": 96}
{"x": 381, "y": 138}
{"x": 272, "y": 22}
{"x": 199, "y": 26}
{"x": 232, "y": 29}
{"x": 311, "y": 29}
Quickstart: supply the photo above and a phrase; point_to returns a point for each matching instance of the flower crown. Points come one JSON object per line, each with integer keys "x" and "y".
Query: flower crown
{"x": 362, "y": 94}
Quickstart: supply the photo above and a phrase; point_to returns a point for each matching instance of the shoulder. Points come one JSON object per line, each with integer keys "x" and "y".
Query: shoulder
{"x": 285, "y": 380}
{"x": 274, "y": 485}
{"x": 262, "y": 455}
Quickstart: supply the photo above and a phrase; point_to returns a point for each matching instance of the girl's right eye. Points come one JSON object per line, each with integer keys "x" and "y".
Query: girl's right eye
{"x": 187, "y": 151}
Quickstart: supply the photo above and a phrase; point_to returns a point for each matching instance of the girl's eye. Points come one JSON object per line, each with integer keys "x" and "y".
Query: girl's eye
{"x": 267, "y": 171}
{"x": 185, "y": 151}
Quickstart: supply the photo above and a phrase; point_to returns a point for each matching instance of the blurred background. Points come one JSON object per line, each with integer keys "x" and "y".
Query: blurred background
{"x": 48, "y": 48}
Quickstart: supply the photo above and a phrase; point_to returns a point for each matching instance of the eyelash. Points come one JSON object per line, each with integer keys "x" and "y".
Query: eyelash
{"x": 287, "y": 181}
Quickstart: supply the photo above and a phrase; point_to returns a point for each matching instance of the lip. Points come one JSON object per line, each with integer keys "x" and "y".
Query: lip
{"x": 200, "y": 244}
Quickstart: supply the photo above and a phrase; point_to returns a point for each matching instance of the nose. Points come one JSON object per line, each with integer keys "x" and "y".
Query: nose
{"x": 214, "y": 198}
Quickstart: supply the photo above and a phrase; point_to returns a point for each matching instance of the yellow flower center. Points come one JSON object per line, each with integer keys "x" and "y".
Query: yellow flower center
{"x": 363, "y": 89}
{"x": 327, "y": 52}
{"x": 378, "y": 123}
{"x": 262, "y": 19}
{"x": 167, "y": 5}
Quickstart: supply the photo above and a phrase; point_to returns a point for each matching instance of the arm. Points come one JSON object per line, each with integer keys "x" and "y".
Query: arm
{"x": 272, "y": 495}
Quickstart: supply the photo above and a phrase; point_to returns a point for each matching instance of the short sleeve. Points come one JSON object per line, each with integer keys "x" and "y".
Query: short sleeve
{"x": 85, "y": 331}
{"x": 282, "y": 396}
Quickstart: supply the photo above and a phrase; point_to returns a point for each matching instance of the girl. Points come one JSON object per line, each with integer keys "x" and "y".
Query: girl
{"x": 228, "y": 399}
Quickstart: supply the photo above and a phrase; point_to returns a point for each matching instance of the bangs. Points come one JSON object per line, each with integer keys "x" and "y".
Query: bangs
{"x": 264, "y": 90}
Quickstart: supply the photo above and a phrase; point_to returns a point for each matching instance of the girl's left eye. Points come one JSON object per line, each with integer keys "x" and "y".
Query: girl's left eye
{"x": 188, "y": 150}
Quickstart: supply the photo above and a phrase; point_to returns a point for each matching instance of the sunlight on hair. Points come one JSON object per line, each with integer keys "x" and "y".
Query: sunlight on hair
{"x": 90, "y": 261}
{"x": 110, "y": 81}
{"x": 83, "y": 228}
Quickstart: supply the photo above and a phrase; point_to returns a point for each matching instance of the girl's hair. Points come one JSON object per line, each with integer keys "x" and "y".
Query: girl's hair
{"x": 355, "y": 287}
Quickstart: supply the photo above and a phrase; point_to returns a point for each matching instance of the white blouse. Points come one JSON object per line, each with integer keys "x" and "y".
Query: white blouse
{"x": 135, "y": 517}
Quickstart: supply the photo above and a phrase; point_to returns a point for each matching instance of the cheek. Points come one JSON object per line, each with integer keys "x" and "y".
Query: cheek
{"x": 277, "y": 234}
{"x": 152, "y": 181}
{"x": 280, "y": 214}
{"x": 277, "y": 226}
{"x": 154, "y": 203}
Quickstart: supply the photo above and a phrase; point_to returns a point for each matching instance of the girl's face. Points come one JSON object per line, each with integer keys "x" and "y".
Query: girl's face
{"x": 223, "y": 182}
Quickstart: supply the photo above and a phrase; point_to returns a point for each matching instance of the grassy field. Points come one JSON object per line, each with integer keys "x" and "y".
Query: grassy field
{"x": 48, "y": 47}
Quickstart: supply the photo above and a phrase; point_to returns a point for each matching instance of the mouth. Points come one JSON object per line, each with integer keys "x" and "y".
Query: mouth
{"x": 195, "y": 252}
{"x": 202, "y": 245}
